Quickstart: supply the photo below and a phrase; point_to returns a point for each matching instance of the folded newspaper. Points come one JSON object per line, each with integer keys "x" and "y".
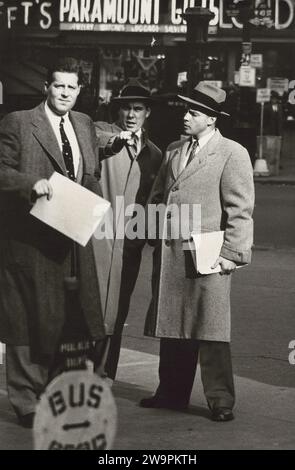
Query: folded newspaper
{"x": 206, "y": 249}
{"x": 73, "y": 210}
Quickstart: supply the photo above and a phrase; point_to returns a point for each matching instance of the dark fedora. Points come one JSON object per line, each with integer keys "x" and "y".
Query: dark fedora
{"x": 133, "y": 91}
{"x": 207, "y": 98}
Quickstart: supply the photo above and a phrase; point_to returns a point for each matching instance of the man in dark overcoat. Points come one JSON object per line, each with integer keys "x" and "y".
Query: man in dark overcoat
{"x": 190, "y": 311}
{"x": 38, "y": 265}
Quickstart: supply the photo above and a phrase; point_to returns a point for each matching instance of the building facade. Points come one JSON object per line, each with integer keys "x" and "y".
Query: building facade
{"x": 113, "y": 40}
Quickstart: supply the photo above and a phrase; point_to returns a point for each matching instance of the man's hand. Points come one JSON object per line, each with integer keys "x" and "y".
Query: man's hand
{"x": 227, "y": 266}
{"x": 43, "y": 188}
{"x": 126, "y": 137}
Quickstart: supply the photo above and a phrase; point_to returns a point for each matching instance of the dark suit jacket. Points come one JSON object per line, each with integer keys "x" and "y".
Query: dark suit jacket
{"x": 35, "y": 259}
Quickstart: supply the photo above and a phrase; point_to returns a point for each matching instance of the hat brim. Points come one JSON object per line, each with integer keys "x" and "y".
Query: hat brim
{"x": 144, "y": 99}
{"x": 201, "y": 106}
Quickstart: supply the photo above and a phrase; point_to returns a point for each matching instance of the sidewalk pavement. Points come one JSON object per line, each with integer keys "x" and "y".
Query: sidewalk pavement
{"x": 265, "y": 416}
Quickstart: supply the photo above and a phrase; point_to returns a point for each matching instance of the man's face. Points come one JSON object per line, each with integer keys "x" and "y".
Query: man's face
{"x": 197, "y": 123}
{"x": 62, "y": 92}
{"x": 132, "y": 115}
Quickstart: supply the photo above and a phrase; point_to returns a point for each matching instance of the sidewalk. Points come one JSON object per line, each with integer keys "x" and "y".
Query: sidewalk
{"x": 286, "y": 174}
{"x": 263, "y": 325}
{"x": 264, "y": 418}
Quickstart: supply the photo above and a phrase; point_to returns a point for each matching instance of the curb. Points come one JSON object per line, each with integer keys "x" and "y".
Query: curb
{"x": 270, "y": 180}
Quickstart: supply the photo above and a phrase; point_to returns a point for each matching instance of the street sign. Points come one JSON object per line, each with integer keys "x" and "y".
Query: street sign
{"x": 76, "y": 411}
{"x": 256, "y": 60}
{"x": 247, "y": 76}
{"x": 182, "y": 78}
{"x": 263, "y": 95}
{"x": 278, "y": 84}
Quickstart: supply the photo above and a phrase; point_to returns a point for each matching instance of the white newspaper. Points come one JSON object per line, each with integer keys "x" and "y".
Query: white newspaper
{"x": 73, "y": 210}
{"x": 207, "y": 247}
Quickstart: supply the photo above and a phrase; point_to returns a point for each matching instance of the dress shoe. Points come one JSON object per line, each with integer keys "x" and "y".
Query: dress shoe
{"x": 157, "y": 402}
{"x": 27, "y": 421}
{"x": 222, "y": 414}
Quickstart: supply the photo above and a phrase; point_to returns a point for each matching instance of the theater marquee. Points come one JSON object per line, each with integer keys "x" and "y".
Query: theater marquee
{"x": 139, "y": 16}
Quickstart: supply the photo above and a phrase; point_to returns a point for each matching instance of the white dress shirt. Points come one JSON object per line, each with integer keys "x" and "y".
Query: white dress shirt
{"x": 139, "y": 140}
{"x": 69, "y": 130}
{"x": 202, "y": 142}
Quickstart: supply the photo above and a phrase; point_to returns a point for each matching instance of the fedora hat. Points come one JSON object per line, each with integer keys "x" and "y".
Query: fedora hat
{"x": 132, "y": 91}
{"x": 207, "y": 98}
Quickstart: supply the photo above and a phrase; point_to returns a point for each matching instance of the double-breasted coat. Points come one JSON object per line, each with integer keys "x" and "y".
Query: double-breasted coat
{"x": 35, "y": 259}
{"x": 130, "y": 179}
{"x": 219, "y": 179}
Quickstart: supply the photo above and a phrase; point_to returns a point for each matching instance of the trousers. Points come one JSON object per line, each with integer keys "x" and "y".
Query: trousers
{"x": 27, "y": 378}
{"x": 177, "y": 369}
{"x": 132, "y": 255}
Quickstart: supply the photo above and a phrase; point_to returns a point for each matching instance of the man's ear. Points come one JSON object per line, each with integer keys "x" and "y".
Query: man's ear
{"x": 45, "y": 87}
{"x": 79, "y": 89}
{"x": 148, "y": 112}
{"x": 212, "y": 120}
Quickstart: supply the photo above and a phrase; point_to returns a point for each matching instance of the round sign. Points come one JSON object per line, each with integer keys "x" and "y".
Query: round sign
{"x": 76, "y": 411}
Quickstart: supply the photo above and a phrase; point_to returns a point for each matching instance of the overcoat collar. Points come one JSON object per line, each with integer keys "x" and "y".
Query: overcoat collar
{"x": 198, "y": 162}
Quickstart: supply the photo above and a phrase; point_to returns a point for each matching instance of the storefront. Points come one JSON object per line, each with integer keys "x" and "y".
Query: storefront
{"x": 113, "y": 40}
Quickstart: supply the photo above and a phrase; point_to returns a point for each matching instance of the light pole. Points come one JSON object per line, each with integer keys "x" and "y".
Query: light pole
{"x": 197, "y": 19}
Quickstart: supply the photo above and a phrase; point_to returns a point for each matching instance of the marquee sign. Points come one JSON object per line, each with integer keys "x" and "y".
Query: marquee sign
{"x": 139, "y": 16}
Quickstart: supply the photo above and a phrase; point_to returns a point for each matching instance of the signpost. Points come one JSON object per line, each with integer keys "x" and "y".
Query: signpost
{"x": 260, "y": 167}
{"x": 262, "y": 96}
{"x": 256, "y": 61}
{"x": 278, "y": 84}
{"x": 77, "y": 409}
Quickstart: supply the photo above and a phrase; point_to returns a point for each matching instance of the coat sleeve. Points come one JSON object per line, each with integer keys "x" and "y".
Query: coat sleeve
{"x": 237, "y": 195}
{"x": 97, "y": 170}
{"x": 105, "y": 140}
{"x": 12, "y": 180}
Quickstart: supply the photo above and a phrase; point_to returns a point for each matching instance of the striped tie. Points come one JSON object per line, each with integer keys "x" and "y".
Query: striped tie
{"x": 192, "y": 151}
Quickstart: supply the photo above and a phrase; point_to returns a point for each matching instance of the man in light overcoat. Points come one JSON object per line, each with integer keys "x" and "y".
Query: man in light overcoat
{"x": 190, "y": 312}
{"x": 126, "y": 182}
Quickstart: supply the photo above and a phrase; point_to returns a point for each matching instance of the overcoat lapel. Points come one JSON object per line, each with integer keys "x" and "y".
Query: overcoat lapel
{"x": 200, "y": 160}
{"x": 83, "y": 141}
{"x": 46, "y": 137}
{"x": 175, "y": 161}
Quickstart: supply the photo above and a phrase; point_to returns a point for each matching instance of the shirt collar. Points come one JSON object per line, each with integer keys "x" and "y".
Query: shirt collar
{"x": 205, "y": 138}
{"x": 138, "y": 133}
{"x": 55, "y": 117}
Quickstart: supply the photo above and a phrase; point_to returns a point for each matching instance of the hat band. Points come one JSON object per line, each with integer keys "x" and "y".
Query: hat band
{"x": 206, "y": 100}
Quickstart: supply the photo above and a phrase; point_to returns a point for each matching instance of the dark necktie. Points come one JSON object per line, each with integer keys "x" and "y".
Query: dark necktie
{"x": 192, "y": 151}
{"x": 67, "y": 152}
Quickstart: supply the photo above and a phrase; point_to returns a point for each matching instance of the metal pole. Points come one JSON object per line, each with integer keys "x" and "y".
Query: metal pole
{"x": 261, "y": 130}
